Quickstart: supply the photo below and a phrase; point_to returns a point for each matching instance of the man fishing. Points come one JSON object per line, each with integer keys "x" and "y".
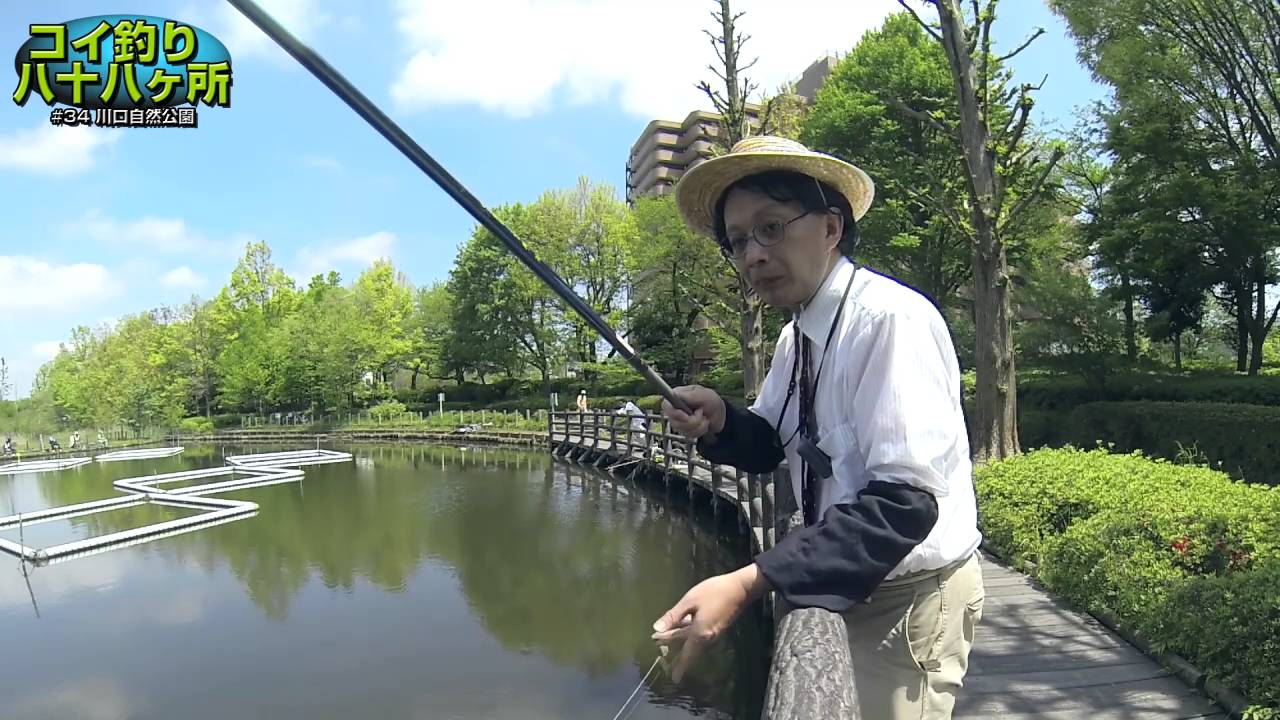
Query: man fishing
{"x": 881, "y": 460}
{"x": 862, "y": 400}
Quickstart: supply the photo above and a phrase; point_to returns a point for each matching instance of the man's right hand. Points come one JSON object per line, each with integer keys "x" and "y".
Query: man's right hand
{"x": 708, "y": 412}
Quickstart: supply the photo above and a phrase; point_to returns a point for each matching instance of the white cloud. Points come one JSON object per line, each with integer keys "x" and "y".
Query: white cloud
{"x": 324, "y": 162}
{"x": 46, "y": 350}
{"x": 605, "y": 50}
{"x": 182, "y": 277}
{"x": 148, "y": 234}
{"x": 27, "y": 283}
{"x": 358, "y": 253}
{"x": 58, "y": 151}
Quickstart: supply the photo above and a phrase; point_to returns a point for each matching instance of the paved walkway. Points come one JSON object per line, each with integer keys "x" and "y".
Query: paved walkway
{"x": 1033, "y": 657}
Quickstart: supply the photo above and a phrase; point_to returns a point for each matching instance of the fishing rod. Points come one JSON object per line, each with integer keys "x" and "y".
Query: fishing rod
{"x": 405, "y": 144}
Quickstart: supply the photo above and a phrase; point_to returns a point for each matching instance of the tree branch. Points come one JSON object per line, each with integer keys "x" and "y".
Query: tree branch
{"x": 1023, "y": 46}
{"x": 916, "y": 114}
{"x": 1034, "y": 190}
{"x": 927, "y": 27}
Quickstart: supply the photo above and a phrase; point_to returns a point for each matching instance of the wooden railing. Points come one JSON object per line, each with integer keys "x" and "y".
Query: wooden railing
{"x": 811, "y": 674}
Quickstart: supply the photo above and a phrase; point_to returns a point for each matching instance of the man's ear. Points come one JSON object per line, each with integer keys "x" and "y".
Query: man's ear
{"x": 834, "y": 227}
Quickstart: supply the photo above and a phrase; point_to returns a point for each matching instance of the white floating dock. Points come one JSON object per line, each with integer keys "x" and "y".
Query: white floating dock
{"x": 217, "y": 511}
{"x": 240, "y": 478}
{"x": 37, "y": 466}
{"x": 291, "y": 458}
{"x": 240, "y": 473}
{"x": 139, "y": 454}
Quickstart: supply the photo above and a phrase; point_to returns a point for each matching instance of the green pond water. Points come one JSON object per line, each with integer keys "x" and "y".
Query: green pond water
{"x": 412, "y": 582}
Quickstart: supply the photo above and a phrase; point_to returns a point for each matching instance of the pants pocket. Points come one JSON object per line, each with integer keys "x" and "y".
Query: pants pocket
{"x": 925, "y": 625}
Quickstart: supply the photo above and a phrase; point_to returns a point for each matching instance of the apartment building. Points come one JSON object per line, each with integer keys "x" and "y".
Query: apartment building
{"x": 667, "y": 148}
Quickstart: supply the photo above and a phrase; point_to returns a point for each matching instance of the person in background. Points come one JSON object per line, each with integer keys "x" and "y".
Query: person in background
{"x": 582, "y": 401}
{"x": 638, "y": 423}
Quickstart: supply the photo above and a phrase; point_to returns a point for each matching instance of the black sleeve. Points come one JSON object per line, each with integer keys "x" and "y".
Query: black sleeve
{"x": 747, "y": 442}
{"x": 838, "y": 561}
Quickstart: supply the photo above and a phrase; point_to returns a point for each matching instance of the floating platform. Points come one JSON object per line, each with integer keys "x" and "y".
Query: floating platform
{"x": 215, "y": 512}
{"x": 240, "y": 473}
{"x": 290, "y": 458}
{"x": 139, "y": 454}
{"x": 237, "y": 478}
{"x": 37, "y": 466}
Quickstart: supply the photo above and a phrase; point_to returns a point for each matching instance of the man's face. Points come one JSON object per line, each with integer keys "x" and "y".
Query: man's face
{"x": 788, "y": 272}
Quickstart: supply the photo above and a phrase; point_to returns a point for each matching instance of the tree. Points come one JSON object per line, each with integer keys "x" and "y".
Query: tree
{"x": 679, "y": 278}
{"x": 1214, "y": 62}
{"x": 997, "y": 161}
{"x": 1076, "y": 328}
{"x": 383, "y": 302}
{"x": 1221, "y": 56}
{"x": 889, "y": 106}
{"x": 5, "y": 384}
{"x": 429, "y": 332}
{"x": 1172, "y": 174}
{"x": 592, "y": 252}
{"x": 480, "y": 342}
{"x": 734, "y": 125}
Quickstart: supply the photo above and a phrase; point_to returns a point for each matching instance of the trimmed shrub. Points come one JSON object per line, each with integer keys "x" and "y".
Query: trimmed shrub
{"x": 1238, "y": 439}
{"x": 1055, "y": 392}
{"x": 1184, "y": 554}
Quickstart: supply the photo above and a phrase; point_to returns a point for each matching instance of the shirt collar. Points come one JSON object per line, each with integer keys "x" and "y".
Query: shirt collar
{"x": 815, "y": 319}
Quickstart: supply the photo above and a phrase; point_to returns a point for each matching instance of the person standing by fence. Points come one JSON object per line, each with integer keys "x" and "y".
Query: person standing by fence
{"x": 875, "y": 442}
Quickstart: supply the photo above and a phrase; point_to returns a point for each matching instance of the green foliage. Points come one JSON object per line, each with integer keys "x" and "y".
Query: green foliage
{"x": 1185, "y": 555}
{"x": 918, "y": 167}
{"x": 1076, "y": 328}
{"x": 1059, "y": 392}
{"x": 1231, "y": 437}
{"x": 388, "y": 410}
{"x": 200, "y": 425}
{"x": 681, "y": 285}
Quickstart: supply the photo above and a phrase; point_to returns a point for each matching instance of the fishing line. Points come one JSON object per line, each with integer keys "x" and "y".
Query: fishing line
{"x": 643, "y": 680}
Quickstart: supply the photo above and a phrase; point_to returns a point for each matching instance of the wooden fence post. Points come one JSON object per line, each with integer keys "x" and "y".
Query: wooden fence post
{"x": 811, "y": 675}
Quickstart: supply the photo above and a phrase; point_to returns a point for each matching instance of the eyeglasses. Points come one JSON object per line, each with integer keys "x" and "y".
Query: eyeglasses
{"x": 767, "y": 234}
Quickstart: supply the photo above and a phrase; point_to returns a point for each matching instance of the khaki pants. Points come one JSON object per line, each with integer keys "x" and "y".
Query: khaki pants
{"x": 910, "y": 644}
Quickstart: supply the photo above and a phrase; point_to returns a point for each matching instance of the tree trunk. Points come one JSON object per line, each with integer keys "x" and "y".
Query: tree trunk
{"x": 996, "y": 430}
{"x": 1258, "y": 327}
{"x": 1177, "y": 351}
{"x": 1243, "y": 314}
{"x": 751, "y": 316}
{"x": 996, "y": 407}
{"x": 1130, "y": 329}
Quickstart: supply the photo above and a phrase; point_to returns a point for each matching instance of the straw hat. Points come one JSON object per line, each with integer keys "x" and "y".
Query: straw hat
{"x": 700, "y": 188}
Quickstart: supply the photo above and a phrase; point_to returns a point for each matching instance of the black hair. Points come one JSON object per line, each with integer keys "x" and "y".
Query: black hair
{"x": 788, "y": 186}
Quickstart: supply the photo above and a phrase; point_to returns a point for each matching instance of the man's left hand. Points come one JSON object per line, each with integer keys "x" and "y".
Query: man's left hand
{"x": 705, "y": 611}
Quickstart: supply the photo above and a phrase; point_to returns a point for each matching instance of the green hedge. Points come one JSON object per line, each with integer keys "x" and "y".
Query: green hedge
{"x": 1239, "y": 439}
{"x": 1184, "y": 554}
{"x": 1056, "y": 392}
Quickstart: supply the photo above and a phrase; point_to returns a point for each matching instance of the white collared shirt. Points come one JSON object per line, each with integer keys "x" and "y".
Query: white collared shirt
{"x": 888, "y": 405}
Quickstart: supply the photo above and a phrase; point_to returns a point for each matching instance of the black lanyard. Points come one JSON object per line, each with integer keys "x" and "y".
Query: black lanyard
{"x": 807, "y": 416}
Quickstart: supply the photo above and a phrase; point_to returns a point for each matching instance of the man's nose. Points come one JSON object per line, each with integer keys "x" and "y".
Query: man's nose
{"x": 755, "y": 253}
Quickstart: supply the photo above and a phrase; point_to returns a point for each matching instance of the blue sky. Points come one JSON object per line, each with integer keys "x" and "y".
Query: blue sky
{"x": 513, "y": 97}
